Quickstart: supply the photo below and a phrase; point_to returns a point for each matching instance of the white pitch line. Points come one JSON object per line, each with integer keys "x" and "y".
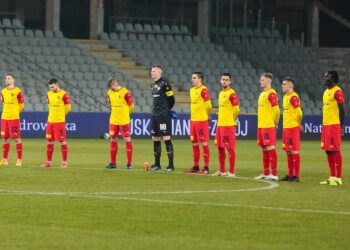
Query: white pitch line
{"x": 178, "y": 202}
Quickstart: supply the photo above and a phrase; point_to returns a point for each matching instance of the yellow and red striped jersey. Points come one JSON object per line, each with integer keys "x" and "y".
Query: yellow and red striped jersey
{"x": 330, "y": 112}
{"x": 268, "y": 109}
{"x": 200, "y": 103}
{"x": 292, "y": 113}
{"x": 228, "y": 108}
{"x": 13, "y": 103}
{"x": 59, "y": 106}
{"x": 122, "y": 104}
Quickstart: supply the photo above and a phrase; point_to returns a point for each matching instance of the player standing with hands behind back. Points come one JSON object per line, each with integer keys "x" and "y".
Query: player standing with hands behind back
{"x": 59, "y": 106}
{"x": 163, "y": 102}
{"x": 333, "y": 116}
{"x": 13, "y": 104}
{"x": 268, "y": 118}
{"x": 199, "y": 127}
{"x": 120, "y": 100}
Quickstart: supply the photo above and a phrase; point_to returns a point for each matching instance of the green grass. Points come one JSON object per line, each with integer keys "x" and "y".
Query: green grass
{"x": 88, "y": 207}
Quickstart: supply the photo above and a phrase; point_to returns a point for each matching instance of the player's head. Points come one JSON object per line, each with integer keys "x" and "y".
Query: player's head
{"x": 113, "y": 84}
{"x": 225, "y": 80}
{"x": 266, "y": 80}
{"x": 54, "y": 85}
{"x": 330, "y": 78}
{"x": 197, "y": 79}
{"x": 288, "y": 84}
{"x": 10, "y": 79}
{"x": 156, "y": 72}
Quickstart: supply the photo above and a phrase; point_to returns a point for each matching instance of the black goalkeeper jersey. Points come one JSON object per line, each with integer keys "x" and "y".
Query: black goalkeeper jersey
{"x": 163, "y": 98}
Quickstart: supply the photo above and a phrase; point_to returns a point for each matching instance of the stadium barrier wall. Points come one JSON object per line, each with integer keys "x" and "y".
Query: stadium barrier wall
{"x": 94, "y": 125}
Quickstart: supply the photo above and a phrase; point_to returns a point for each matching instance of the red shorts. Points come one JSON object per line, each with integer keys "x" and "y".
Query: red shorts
{"x": 56, "y": 131}
{"x": 266, "y": 137}
{"x": 225, "y": 137}
{"x": 115, "y": 129}
{"x": 291, "y": 139}
{"x": 331, "y": 137}
{"x": 10, "y": 129}
{"x": 199, "y": 131}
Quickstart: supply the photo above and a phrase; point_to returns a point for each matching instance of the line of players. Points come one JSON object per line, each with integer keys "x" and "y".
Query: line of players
{"x": 121, "y": 104}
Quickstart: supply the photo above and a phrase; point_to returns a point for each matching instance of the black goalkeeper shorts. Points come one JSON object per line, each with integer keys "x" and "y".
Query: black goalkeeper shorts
{"x": 161, "y": 126}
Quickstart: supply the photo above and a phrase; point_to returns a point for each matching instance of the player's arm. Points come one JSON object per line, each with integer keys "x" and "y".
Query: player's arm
{"x": 206, "y": 97}
{"x": 235, "y": 104}
{"x": 295, "y": 102}
{"x": 67, "y": 105}
{"x": 275, "y": 107}
{"x": 130, "y": 102}
{"x": 339, "y": 97}
{"x": 20, "y": 99}
{"x": 170, "y": 94}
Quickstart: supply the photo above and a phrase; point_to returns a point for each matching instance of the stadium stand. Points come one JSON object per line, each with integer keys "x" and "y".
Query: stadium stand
{"x": 181, "y": 53}
{"x": 127, "y": 54}
{"x": 37, "y": 56}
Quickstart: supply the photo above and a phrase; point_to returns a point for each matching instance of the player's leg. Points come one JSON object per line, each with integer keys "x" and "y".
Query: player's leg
{"x": 337, "y": 133}
{"x": 5, "y": 134}
{"x": 15, "y": 133}
{"x": 295, "y": 158}
{"x": 60, "y": 134}
{"x": 286, "y": 146}
{"x": 19, "y": 149}
{"x": 125, "y": 131}
{"x": 170, "y": 152}
{"x": 50, "y": 137}
{"x": 273, "y": 161}
{"x": 64, "y": 152}
{"x": 157, "y": 146}
{"x": 165, "y": 128}
{"x": 195, "y": 150}
{"x": 113, "y": 148}
{"x": 265, "y": 156}
{"x": 327, "y": 144}
{"x": 221, "y": 152}
{"x": 204, "y": 139}
{"x": 231, "y": 133}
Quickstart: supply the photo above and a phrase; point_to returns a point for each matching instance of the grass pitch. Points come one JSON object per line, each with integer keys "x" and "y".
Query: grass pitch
{"x": 88, "y": 207}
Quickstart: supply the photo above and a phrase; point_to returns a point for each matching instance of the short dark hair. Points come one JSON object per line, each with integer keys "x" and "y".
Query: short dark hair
{"x": 267, "y": 75}
{"x": 53, "y": 81}
{"x": 159, "y": 66}
{"x": 226, "y": 74}
{"x": 111, "y": 81}
{"x": 11, "y": 74}
{"x": 289, "y": 79}
{"x": 334, "y": 75}
{"x": 199, "y": 74}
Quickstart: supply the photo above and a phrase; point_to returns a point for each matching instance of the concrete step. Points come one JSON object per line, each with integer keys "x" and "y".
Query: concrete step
{"x": 87, "y": 44}
{"x": 118, "y": 61}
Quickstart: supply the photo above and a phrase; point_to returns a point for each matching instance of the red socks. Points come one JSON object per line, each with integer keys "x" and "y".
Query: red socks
{"x": 266, "y": 162}
{"x": 296, "y": 164}
{"x": 128, "y": 146}
{"x": 5, "y": 150}
{"x": 290, "y": 165}
{"x": 270, "y": 158}
{"x": 19, "y": 151}
{"x": 113, "y": 151}
{"x": 196, "y": 155}
{"x": 64, "y": 151}
{"x": 206, "y": 155}
{"x": 331, "y": 164}
{"x": 232, "y": 156}
{"x": 293, "y": 165}
{"x": 222, "y": 157}
{"x": 338, "y": 164}
{"x": 49, "y": 152}
{"x": 273, "y": 161}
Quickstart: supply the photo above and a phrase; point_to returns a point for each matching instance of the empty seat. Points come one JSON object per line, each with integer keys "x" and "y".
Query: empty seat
{"x": 129, "y": 27}
{"x": 119, "y": 27}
